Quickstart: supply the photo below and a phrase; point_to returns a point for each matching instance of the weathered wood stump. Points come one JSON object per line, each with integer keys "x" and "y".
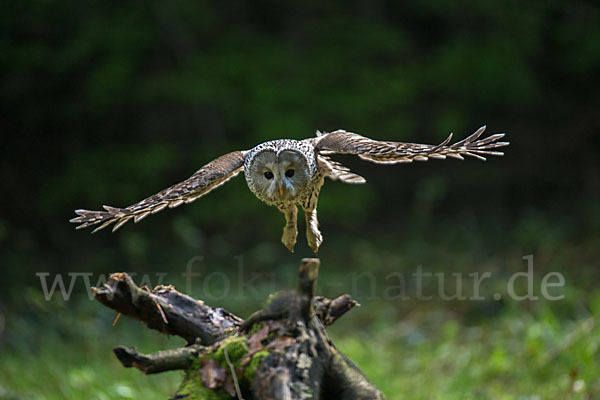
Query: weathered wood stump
{"x": 279, "y": 352}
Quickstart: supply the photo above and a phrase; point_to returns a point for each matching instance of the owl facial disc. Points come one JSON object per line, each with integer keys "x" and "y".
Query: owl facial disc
{"x": 277, "y": 177}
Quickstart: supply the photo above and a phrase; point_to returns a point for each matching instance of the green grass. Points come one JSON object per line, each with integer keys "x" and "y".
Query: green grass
{"x": 71, "y": 371}
{"x": 55, "y": 367}
{"x": 410, "y": 349}
{"x": 513, "y": 357}
{"x": 429, "y": 354}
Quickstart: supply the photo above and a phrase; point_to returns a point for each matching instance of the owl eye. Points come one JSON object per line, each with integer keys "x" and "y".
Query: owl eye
{"x": 289, "y": 173}
{"x": 269, "y": 175}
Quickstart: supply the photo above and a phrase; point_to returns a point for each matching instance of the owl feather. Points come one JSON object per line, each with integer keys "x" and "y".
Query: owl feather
{"x": 206, "y": 179}
{"x": 288, "y": 173}
{"x": 385, "y": 152}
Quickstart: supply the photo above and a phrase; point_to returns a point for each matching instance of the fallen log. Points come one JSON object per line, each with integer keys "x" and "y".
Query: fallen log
{"x": 280, "y": 352}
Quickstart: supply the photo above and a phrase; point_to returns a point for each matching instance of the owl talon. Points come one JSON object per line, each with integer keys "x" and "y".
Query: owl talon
{"x": 289, "y": 238}
{"x": 313, "y": 235}
{"x": 290, "y": 230}
{"x": 315, "y": 247}
{"x": 288, "y": 244}
{"x": 314, "y": 240}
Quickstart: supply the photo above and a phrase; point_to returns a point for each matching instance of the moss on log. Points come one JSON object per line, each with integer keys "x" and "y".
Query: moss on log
{"x": 280, "y": 352}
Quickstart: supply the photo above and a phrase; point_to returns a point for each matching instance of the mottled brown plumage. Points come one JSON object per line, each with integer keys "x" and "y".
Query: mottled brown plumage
{"x": 384, "y": 152}
{"x": 207, "y": 178}
{"x": 289, "y": 173}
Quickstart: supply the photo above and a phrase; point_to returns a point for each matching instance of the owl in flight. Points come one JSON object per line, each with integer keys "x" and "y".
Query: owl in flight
{"x": 288, "y": 173}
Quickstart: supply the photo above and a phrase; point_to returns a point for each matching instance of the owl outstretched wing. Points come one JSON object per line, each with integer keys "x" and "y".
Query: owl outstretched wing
{"x": 339, "y": 172}
{"x": 207, "y": 178}
{"x": 384, "y": 152}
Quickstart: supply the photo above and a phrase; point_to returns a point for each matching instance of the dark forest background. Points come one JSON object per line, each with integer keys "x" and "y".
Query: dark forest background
{"x": 107, "y": 103}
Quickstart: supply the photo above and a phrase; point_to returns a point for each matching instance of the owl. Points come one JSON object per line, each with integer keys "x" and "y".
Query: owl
{"x": 288, "y": 173}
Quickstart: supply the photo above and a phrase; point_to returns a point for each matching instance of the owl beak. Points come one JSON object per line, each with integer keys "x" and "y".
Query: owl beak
{"x": 280, "y": 190}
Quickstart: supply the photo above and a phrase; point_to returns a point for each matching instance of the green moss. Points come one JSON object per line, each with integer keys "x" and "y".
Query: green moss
{"x": 254, "y": 363}
{"x": 276, "y": 296}
{"x": 255, "y": 328}
{"x": 193, "y": 388}
{"x": 192, "y": 385}
{"x": 236, "y": 347}
{"x": 196, "y": 362}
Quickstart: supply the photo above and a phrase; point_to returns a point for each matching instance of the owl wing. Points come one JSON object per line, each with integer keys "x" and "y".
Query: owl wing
{"x": 337, "y": 171}
{"x": 207, "y": 178}
{"x": 383, "y": 152}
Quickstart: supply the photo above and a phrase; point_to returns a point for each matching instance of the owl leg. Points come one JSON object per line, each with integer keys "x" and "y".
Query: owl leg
{"x": 290, "y": 230}
{"x": 313, "y": 235}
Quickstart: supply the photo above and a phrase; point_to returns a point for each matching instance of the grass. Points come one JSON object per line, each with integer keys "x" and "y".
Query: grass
{"x": 513, "y": 357}
{"x": 410, "y": 349}
{"x": 66, "y": 366}
{"x": 430, "y": 354}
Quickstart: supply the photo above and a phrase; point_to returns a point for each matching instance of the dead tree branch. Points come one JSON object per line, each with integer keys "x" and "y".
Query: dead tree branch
{"x": 280, "y": 352}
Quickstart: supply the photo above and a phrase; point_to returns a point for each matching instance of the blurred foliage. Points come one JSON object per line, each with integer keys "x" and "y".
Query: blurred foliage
{"x": 107, "y": 102}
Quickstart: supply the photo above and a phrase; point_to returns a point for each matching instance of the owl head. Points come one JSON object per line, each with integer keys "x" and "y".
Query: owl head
{"x": 278, "y": 173}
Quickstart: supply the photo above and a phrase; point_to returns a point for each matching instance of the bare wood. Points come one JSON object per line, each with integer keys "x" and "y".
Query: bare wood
{"x": 328, "y": 311}
{"x": 307, "y": 276}
{"x": 166, "y": 310}
{"x": 298, "y": 357}
{"x": 347, "y": 381}
{"x": 167, "y": 360}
